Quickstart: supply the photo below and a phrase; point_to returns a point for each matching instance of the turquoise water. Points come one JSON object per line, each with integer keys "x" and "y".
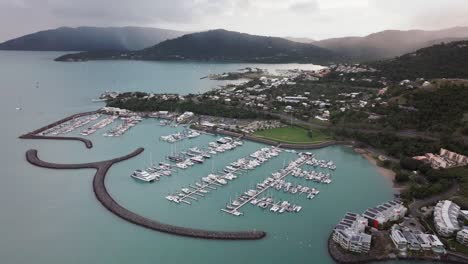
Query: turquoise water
{"x": 52, "y": 216}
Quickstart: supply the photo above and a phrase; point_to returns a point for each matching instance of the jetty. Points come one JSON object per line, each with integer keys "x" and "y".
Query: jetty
{"x": 284, "y": 174}
{"x": 36, "y": 133}
{"x": 108, "y": 202}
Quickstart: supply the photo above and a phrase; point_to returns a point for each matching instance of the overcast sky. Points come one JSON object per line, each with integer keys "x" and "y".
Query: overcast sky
{"x": 317, "y": 19}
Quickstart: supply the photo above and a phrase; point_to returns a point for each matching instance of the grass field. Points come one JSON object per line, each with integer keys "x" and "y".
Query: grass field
{"x": 293, "y": 134}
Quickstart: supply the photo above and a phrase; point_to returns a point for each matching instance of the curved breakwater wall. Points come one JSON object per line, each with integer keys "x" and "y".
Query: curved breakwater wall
{"x": 34, "y": 134}
{"x": 108, "y": 202}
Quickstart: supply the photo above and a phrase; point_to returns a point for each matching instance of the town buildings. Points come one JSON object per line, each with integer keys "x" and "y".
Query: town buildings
{"x": 411, "y": 240}
{"x": 446, "y": 215}
{"x": 387, "y": 212}
{"x": 349, "y": 233}
{"x": 462, "y": 237}
{"x": 444, "y": 160}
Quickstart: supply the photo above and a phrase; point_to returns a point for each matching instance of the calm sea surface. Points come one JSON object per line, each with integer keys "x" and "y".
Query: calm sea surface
{"x": 50, "y": 216}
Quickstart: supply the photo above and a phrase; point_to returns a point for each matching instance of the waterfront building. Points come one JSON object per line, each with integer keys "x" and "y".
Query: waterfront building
{"x": 415, "y": 240}
{"x": 387, "y": 212}
{"x": 399, "y": 239}
{"x": 446, "y": 215}
{"x": 349, "y": 233}
{"x": 445, "y": 159}
{"x": 462, "y": 237}
{"x": 184, "y": 117}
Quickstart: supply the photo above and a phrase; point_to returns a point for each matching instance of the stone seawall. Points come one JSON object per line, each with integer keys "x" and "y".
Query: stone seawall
{"x": 34, "y": 134}
{"x": 108, "y": 202}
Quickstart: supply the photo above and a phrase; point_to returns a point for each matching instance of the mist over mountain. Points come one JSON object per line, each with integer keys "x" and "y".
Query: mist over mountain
{"x": 448, "y": 60}
{"x": 91, "y": 39}
{"x": 390, "y": 43}
{"x": 222, "y": 45}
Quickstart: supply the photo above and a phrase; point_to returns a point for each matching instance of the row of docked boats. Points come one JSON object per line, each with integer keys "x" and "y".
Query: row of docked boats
{"x": 230, "y": 172}
{"x": 289, "y": 187}
{"x": 186, "y": 134}
{"x": 276, "y": 180}
{"x": 195, "y": 155}
{"x": 185, "y": 159}
{"x": 70, "y": 125}
{"x": 99, "y": 125}
{"x": 119, "y": 130}
{"x": 324, "y": 164}
{"x": 153, "y": 173}
{"x": 315, "y": 176}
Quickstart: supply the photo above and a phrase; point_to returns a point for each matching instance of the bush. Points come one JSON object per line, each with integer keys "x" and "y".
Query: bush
{"x": 402, "y": 176}
{"x": 410, "y": 163}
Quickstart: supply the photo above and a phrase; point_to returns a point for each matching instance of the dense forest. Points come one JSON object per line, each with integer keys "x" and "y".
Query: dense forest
{"x": 202, "y": 108}
{"x": 441, "y": 110}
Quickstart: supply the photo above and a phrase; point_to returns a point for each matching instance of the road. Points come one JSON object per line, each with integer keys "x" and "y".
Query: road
{"x": 417, "y": 204}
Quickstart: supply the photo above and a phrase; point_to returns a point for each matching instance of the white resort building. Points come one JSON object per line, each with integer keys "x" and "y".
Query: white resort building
{"x": 446, "y": 215}
{"x": 445, "y": 159}
{"x": 387, "y": 212}
{"x": 462, "y": 237}
{"x": 405, "y": 240}
{"x": 349, "y": 233}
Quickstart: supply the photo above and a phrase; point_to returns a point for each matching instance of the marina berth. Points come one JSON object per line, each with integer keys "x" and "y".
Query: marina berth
{"x": 275, "y": 182}
{"x": 186, "y": 134}
{"x": 128, "y": 122}
{"x": 99, "y": 125}
{"x": 198, "y": 155}
{"x": 69, "y": 126}
{"x": 216, "y": 180}
{"x": 113, "y": 206}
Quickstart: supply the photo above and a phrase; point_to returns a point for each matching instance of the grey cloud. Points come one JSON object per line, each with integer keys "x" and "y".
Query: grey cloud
{"x": 304, "y": 7}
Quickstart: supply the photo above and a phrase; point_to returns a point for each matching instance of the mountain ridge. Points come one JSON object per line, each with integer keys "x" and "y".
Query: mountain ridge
{"x": 91, "y": 39}
{"x": 390, "y": 43}
{"x": 221, "y": 45}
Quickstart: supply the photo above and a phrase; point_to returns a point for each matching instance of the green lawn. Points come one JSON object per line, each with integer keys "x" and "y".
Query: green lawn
{"x": 292, "y": 134}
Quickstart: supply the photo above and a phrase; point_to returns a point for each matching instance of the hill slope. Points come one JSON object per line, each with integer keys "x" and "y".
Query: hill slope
{"x": 448, "y": 60}
{"x": 222, "y": 45}
{"x": 91, "y": 39}
{"x": 390, "y": 43}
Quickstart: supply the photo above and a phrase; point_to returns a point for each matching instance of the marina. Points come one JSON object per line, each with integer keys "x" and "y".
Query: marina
{"x": 231, "y": 172}
{"x": 276, "y": 181}
{"x": 185, "y": 159}
{"x": 119, "y": 130}
{"x": 69, "y": 126}
{"x": 176, "y": 137}
{"x": 99, "y": 125}
{"x": 82, "y": 218}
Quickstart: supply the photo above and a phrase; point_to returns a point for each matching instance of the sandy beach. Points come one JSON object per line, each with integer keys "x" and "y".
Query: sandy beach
{"x": 387, "y": 173}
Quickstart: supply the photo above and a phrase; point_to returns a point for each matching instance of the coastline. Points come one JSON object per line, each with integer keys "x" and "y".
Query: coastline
{"x": 385, "y": 172}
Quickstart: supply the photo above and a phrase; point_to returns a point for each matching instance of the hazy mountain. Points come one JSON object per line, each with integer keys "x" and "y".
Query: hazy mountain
{"x": 221, "y": 45}
{"x": 91, "y": 39}
{"x": 447, "y": 60}
{"x": 301, "y": 40}
{"x": 390, "y": 43}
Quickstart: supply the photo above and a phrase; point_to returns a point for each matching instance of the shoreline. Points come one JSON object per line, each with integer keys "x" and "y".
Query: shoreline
{"x": 385, "y": 172}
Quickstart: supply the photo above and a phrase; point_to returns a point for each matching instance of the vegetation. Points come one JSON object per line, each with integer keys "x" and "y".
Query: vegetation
{"x": 392, "y": 144}
{"x": 293, "y": 134}
{"x": 438, "y": 61}
{"x": 222, "y": 45}
{"x": 139, "y": 104}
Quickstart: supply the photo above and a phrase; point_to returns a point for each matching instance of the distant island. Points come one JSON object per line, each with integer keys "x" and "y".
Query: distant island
{"x": 91, "y": 39}
{"x": 220, "y": 45}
